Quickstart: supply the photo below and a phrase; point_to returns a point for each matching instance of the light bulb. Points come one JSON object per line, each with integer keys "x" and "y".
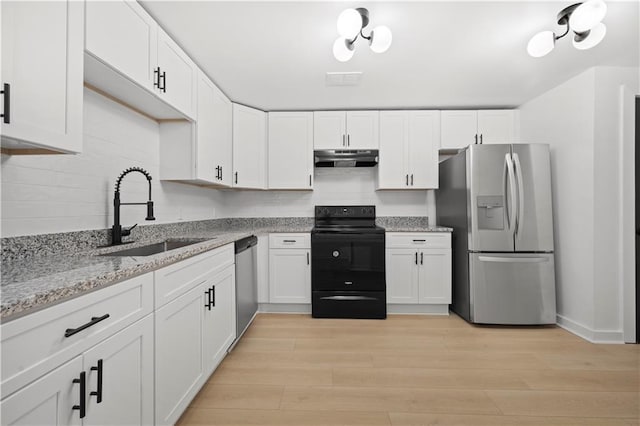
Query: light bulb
{"x": 596, "y": 34}
{"x": 541, "y": 44}
{"x": 349, "y": 23}
{"x": 342, "y": 49}
{"x": 380, "y": 39}
{"x": 587, "y": 15}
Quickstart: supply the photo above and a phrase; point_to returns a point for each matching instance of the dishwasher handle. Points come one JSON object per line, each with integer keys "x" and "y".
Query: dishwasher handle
{"x": 245, "y": 243}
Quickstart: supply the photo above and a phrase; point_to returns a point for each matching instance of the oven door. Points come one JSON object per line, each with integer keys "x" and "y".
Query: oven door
{"x": 347, "y": 261}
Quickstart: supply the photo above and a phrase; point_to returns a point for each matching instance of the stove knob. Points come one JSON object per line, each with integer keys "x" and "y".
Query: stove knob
{"x": 335, "y": 253}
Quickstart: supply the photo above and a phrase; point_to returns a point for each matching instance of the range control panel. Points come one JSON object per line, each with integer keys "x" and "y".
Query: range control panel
{"x": 350, "y": 212}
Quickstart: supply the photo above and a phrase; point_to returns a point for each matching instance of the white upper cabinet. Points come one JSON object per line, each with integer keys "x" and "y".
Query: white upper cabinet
{"x": 123, "y": 35}
{"x": 249, "y": 147}
{"x": 199, "y": 152}
{"x": 409, "y": 143}
{"x": 42, "y": 74}
{"x": 290, "y": 150}
{"x": 345, "y": 129}
{"x": 132, "y": 59}
{"x": 463, "y": 128}
{"x": 497, "y": 125}
{"x": 176, "y": 75}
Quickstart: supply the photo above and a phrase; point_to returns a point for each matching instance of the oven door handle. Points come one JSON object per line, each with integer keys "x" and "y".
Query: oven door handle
{"x": 348, "y": 298}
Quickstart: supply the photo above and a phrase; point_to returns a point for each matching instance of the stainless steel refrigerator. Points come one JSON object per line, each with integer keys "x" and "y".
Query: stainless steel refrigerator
{"x": 497, "y": 198}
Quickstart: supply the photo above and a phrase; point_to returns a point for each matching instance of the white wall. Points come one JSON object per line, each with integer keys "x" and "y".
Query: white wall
{"x": 331, "y": 186}
{"x": 59, "y": 193}
{"x": 580, "y": 119}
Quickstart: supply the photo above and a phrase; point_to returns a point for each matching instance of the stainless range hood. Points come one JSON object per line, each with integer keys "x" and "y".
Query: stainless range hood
{"x": 345, "y": 157}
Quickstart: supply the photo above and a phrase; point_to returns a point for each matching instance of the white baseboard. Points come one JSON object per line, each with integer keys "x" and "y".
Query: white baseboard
{"x": 593, "y": 336}
{"x": 285, "y": 308}
{"x": 418, "y": 309}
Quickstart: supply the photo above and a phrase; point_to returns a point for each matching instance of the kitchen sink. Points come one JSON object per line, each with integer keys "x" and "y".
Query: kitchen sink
{"x": 156, "y": 248}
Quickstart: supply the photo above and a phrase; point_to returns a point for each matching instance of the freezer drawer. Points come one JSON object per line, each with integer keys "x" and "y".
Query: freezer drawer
{"x": 512, "y": 288}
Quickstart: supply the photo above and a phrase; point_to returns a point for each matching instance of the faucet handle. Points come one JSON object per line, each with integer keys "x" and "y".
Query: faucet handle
{"x": 127, "y": 231}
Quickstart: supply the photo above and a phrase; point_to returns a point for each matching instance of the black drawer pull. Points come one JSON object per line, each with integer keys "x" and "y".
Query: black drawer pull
{"x": 82, "y": 406}
{"x": 156, "y": 77}
{"x": 419, "y": 241}
{"x": 416, "y": 258}
{"x": 422, "y": 258}
{"x": 212, "y": 296}
{"x": 6, "y": 114}
{"x": 288, "y": 241}
{"x": 208, "y": 304}
{"x": 98, "y": 392}
{"x": 164, "y": 81}
{"x": 94, "y": 320}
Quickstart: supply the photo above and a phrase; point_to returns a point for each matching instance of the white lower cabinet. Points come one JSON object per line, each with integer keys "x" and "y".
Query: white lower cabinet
{"x": 289, "y": 268}
{"x": 418, "y": 268}
{"x": 110, "y": 384}
{"x": 193, "y": 333}
{"x": 47, "y": 401}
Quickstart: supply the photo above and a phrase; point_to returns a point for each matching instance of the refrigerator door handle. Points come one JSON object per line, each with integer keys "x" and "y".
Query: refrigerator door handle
{"x": 512, "y": 189}
{"x": 520, "y": 216}
{"x": 513, "y": 259}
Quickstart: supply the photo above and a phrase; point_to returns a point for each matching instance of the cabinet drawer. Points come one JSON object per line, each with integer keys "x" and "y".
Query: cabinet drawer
{"x": 298, "y": 240}
{"x": 36, "y": 343}
{"x": 418, "y": 239}
{"x": 177, "y": 279}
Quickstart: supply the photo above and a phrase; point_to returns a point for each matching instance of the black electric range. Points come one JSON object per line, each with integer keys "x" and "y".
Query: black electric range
{"x": 347, "y": 264}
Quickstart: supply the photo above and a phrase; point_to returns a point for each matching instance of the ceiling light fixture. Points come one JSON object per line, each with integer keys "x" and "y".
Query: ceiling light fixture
{"x": 351, "y": 22}
{"x": 584, "y": 19}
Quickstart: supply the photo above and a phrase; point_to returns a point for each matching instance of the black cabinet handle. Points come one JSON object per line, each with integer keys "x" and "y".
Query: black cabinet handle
{"x": 422, "y": 258}
{"x": 288, "y": 241}
{"x": 220, "y": 172}
{"x": 98, "y": 392}
{"x": 164, "y": 81}
{"x": 6, "y": 113}
{"x": 411, "y": 179}
{"x": 208, "y": 304}
{"x": 407, "y": 180}
{"x": 480, "y": 138}
{"x": 236, "y": 177}
{"x": 416, "y": 258}
{"x": 82, "y": 406}
{"x": 343, "y": 141}
{"x": 156, "y": 77}
{"x": 212, "y": 296}
{"x": 348, "y": 142}
{"x": 309, "y": 180}
{"x": 94, "y": 320}
{"x": 307, "y": 258}
{"x": 419, "y": 241}
{"x": 476, "y": 136}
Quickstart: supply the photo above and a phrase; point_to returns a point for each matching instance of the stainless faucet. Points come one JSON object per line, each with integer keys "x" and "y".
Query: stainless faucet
{"x": 116, "y": 231}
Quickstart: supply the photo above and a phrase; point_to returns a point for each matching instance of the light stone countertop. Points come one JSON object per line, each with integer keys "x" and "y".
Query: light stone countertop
{"x": 33, "y": 283}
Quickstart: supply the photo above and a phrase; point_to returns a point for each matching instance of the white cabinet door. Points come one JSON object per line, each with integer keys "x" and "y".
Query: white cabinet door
{"x": 177, "y": 75}
{"x": 123, "y": 35}
{"x": 42, "y": 64}
{"x": 120, "y": 372}
{"x": 392, "y": 166}
{"x": 290, "y": 150}
{"x": 206, "y": 169}
{"x": 435, "y": 276}
{"x": 289, "y": 276}
{"x": 423, "y": 141}
{"x": 458, "y": 129}
{"x": 221, "y": 120}
{"x": 329, "y": 130}
{"x": 362, "y": 129}
{"x": 47, "y": 401}
{"x": 179, "y": 364}
{"x": 402, "y": 275}
{"x": 249, "y": 147}
{"x": 219, "y": 329}
{"x": 496, "y": 126}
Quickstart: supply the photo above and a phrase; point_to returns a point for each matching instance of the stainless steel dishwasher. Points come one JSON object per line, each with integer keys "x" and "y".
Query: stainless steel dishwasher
{"x": 246, "y": 284}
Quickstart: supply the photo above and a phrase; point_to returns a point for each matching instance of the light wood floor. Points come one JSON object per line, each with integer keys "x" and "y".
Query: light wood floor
{"x": 417, "y": 370}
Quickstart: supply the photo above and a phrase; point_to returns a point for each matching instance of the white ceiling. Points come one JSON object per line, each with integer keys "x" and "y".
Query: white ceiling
{"x": 448, "y": 54}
